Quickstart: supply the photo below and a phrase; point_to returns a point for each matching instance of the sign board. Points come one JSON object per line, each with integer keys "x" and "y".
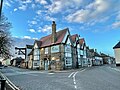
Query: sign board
{"x": 55, "y": 49}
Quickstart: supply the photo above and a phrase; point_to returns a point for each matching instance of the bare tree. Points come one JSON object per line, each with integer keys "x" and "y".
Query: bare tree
{"x": 5, "y": 37}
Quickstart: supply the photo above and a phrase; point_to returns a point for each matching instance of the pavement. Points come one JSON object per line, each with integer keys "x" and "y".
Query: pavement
{"x": 105, "y": 77}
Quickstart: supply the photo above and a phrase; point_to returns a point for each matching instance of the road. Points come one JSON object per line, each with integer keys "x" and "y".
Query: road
{"x": 94, "y": 78}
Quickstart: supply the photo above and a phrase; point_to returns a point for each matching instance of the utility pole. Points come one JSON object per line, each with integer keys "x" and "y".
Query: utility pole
{"x": 1, "y": 4}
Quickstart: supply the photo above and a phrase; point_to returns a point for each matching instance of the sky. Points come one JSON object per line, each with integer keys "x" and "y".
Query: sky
{"x": 98, "y": 21}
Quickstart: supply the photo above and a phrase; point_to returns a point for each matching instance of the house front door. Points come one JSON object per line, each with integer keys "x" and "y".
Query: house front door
{"x": 46, "y": 63}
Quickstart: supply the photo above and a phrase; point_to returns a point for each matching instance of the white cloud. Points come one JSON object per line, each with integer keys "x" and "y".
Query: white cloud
{"x": 35, "y": 38}
{"x": 39, "y": 12}
{"x": 31, "y": 23}
{"x": 59, "y": 5}
{"x": 32, "y": 30}
{"x": 48, "y": 18}
{"x": 118, "y": 17}
{"x": 41, "y": 1}
{"x": 26, "y": 1}
{"x": 95, "y": 11}
{"x": 15, "y": 9}
{"x": 46, "y": 29}
{"x": 79, "y": 16}
{"x": 27, "y": 37}
{"x": 23, "y": 7}
{"x": 7, "y": 3}
{"x": 33, "y": 6}
{"x": 116, "y": 25}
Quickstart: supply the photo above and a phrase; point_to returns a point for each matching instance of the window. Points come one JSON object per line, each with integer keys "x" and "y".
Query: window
{"x": 36, "y": 57}
{"x": 68, "y": 48}
{"x": 78, "y": 51}
{"x": 36, "y": 54}
{"x": 68, "y": 55}
{"x": 46, "y": 50}
{"x": 35, "y": 64}
{"x": 36, "y": 51}
{"x": 68, "y": 61}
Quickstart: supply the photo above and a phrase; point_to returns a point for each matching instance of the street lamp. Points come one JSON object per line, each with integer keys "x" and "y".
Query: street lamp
{"x": 1, "y": 3}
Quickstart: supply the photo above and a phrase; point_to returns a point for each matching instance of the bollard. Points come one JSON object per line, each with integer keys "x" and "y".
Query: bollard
{"x": 3, "y": 84}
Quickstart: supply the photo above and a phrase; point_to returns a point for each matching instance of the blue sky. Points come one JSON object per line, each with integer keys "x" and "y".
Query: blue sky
{"x": 98, "y": 21}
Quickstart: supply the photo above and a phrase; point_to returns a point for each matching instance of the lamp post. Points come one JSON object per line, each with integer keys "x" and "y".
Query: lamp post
{"x": 1, "y": 4}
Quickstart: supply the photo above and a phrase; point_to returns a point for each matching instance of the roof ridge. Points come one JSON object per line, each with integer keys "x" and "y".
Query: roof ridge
{"x": 51, "y": 34}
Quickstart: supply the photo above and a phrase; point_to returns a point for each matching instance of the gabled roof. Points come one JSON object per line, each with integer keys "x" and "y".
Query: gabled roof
{"x": 81, "y": 41}
{"x": 31, "y": 52}
{"x": 117, "y": 45}
{"x": 104, "y": 55}
{"x": 39, "y": 43}
{"x": 73, "y": 38}
{"x": 46, "y": 41}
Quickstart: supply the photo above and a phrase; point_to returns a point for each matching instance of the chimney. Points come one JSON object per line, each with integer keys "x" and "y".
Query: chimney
{"x": 53, "y": 37}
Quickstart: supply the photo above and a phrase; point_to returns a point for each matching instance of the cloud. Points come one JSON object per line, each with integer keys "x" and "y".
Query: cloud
{"x": 15, "y": 9}
{"x": 32, "y": 22}
{"x": 41, "y": 1}
{"x": 7, "y": 3}
{"x": 48, "y": 18}
{"x": 26, "y": 1}
{"x": 46, "y": 29}
{"x": 39, "y": 12}
{"x": 59, "y": 5}
{"x": 116, "y": 25}
{"x": 32, "y": 30}
{"x": 23, "y": 7}
{"x": 93, "y": 12}
{"x": 35, "y": 38}
{"x": 27, "y": 37}
{"x": 118, "y": 17}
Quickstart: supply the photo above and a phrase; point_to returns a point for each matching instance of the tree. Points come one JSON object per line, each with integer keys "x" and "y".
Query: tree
{"x": 5, "y": 37}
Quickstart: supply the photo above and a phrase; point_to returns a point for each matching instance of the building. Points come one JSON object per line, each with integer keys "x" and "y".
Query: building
{"x": 107, "y": 59}
{"x": 83, "y": 52}
{"x": 117, "y": 53}
{"x": 53, "y": 52}
{"x": 18, "y": 61}
{"x": 98, "y": 60}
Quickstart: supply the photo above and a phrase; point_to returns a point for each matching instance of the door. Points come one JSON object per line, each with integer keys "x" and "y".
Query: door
{"x": 46, "y": 63}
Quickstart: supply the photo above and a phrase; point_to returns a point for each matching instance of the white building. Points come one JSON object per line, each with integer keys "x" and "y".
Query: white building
{"x": 117, "y": 53}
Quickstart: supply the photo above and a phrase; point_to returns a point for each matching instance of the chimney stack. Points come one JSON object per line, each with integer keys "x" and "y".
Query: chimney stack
{"x": 53, "y": 37}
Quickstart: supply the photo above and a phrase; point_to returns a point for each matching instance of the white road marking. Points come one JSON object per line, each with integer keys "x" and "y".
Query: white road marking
{"x": 83, "y": 70}
{"x": 75, "y": 74}
{"x": 71, "y": 74}
{"x": 75, "y": 87}
{"x": 32, "y": 74}
{"x": 51, "y": 73}
{"x": 115, "y": 69}
{"x": 74, "y": 82}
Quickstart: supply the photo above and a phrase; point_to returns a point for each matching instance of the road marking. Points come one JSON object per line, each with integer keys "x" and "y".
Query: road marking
{"x": 75, "y": 87}
{"x": 115, "y": 69}
{"x": 75, "y": 74}
{"x": 71, "y": 74}
{"x": 32, "y": 74}
{"x": 74, "y": 82}
{"x": 83, "y": 70}
{"x": 51, "y": 73}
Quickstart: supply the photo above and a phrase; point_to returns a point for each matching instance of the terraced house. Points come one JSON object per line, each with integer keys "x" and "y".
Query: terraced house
{"x": 57, "y": 51}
